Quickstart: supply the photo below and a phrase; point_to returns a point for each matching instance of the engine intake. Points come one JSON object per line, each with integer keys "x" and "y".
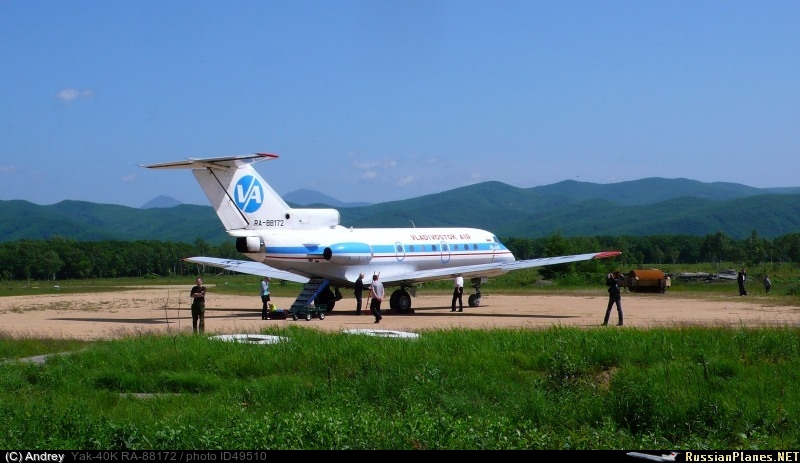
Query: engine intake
{"x": 248, "y": 244}
{"x": 348, "y": 253}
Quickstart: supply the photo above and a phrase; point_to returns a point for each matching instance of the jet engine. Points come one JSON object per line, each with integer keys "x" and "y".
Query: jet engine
{"x": 248, "y": 244}
{"x": 348, "y": 253}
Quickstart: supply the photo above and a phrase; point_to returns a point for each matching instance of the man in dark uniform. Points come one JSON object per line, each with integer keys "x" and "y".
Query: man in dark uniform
{"x": 198, "y": 295}
{"x": 614, "y": 296}
{"x": 358, "y": 291}
{"x": 741, "y": 278}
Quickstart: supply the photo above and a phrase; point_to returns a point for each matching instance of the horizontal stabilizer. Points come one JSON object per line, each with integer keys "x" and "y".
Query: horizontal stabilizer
{"x": 225, "y": 162}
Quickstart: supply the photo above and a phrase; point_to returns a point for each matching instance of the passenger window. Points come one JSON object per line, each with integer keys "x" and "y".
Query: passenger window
{"x": 433, "y": 247}
{"x": 411, "y": 248}
{"x": 399, "y": 248}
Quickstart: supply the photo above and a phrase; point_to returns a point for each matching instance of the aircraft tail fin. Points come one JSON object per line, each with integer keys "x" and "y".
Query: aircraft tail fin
{"x": 243, "y": 200}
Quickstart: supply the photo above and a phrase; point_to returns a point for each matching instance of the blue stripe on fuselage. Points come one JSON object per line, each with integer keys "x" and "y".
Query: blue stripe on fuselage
{"x": 386, "y": 250}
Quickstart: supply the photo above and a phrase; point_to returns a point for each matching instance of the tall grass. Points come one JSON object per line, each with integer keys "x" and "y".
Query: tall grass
{"x": 557, "y": 388}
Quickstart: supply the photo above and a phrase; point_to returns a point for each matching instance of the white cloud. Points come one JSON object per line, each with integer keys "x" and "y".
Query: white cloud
{"x": 128, "y": 178}
{"x": 8, "y": 169}
{"x": 68, "y": 95}
{"x": 408, "y": 180}
{"x": 370, "y": 164}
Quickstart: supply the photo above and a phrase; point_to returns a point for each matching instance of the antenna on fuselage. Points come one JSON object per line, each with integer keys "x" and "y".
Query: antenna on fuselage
{"x": 412, "y": 223}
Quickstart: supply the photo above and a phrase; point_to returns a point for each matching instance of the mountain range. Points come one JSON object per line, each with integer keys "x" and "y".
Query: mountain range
{"x": 652, "y": 206}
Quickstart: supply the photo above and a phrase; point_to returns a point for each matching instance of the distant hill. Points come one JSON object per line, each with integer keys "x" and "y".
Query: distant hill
{"x": 161, "y": 201}
{"x": 306, "y": 198}
{"x": 646, "y": 207}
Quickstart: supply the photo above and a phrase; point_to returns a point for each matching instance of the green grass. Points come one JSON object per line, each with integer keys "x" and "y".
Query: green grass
{"x": 558, "y": 388}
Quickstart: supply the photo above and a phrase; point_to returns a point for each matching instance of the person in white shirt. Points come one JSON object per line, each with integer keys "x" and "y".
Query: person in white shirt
{"x": 458, "y": 290}
{"x": 265, "y": 298}
{"x": 376, "y": 296}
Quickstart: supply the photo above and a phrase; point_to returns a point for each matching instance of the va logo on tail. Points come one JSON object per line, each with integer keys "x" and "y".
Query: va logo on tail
{"x": 248, "y": 194}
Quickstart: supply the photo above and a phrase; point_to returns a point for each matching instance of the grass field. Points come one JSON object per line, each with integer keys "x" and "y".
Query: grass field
{"x": 558, "y": 388}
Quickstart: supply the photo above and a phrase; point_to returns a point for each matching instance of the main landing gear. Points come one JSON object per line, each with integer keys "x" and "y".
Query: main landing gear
{"x": 328, "y": 298}
{"x": 400, "y": 300}
{"x": 475, "y": 299}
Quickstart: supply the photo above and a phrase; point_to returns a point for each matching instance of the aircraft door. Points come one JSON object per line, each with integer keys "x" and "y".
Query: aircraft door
{"x": 399, "y": 251}
{"x": 445, "y": 252}
{"x": 495, "y": 248}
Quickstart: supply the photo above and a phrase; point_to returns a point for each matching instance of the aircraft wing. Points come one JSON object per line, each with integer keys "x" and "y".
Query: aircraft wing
{"x": 416, "y": 276}
{"x": 489, "y": 270}
{"x": 249, "y": 267}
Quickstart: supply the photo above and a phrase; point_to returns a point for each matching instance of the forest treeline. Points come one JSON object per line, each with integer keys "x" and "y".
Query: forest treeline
{"x": 61, "y": 259}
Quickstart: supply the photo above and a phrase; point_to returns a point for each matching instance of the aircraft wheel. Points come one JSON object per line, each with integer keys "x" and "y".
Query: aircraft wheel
{"x": 326, "y": 298}
{"x": 474, "y": 300}
{"x": 400, "y": 301}
{"x": 308, "y": 316}
{"x": 322, "y": 315}
{"x": 294, "y": 316}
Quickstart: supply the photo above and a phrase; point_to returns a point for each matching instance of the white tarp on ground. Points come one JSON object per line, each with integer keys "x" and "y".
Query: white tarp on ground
{"x": 250, "y": 338}
{"x": 384, "y": 333}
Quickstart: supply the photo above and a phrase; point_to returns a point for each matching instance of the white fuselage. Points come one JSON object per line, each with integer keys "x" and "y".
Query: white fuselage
{"x": 339, "y": 254}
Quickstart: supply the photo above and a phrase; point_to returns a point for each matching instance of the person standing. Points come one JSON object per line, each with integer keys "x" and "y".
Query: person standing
{"x": 614, "y": 297}
{"x": 376, "y": 296}
{"x": 458, "y": 290}
{"x": 198, "y": 295}
{"x": 265, "y": 298}
{"x": 767, "y": 284}
{"x": 741, "y": 277}
{"x": 358, "y": 291}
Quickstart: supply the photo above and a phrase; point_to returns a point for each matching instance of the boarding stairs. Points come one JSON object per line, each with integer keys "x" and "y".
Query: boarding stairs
{"x": 310, "y": 292}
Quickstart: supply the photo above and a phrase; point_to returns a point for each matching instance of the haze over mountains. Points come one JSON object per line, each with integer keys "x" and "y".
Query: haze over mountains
{"x": 652, "y": 206}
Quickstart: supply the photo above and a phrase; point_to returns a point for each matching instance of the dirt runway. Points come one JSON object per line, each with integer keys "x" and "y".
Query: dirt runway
{"x": 166, "y": 310}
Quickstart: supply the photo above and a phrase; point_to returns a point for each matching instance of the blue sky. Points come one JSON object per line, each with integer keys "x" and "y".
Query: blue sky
{"x": 379, "y": 100}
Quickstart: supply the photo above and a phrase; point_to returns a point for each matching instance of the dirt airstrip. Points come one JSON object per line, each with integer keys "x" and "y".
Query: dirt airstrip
{"x": 165, "y": 309}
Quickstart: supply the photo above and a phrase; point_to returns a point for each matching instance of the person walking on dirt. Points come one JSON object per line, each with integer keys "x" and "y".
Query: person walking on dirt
{"x": 614, "y": 296}
{"x": 358, "y": 292}
{"x": 741, "y": 277}
{"x": 198, "y": 295}
{"x": 458, "y": 290}
{"x": 376, "y": 296}
{"x": 265, "y": 298}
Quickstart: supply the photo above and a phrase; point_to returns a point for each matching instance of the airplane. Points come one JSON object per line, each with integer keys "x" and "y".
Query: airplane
{"x": 310, "y": 246}
{"x": 670, "y": 457}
